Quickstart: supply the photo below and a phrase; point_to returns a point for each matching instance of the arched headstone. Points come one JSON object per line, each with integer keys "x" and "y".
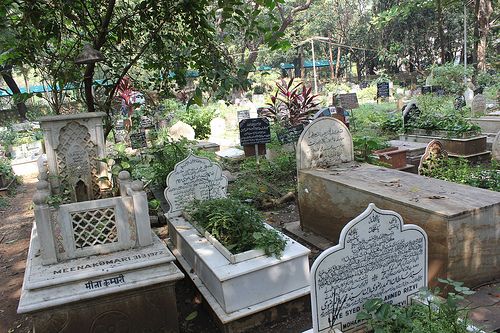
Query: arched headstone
{"x": 377, "y": 257}
{"x": 432, "y": 158}
{"x": 194, "y": 178}
{"x": 478, "y": 105}
{"x": 323, "y": 143}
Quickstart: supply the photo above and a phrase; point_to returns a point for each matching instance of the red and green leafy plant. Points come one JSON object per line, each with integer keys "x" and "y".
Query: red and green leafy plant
{"x": 292, "y": 104}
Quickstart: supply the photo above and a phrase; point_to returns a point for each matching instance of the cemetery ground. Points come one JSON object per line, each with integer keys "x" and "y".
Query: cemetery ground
{"x": 16, "y": 221}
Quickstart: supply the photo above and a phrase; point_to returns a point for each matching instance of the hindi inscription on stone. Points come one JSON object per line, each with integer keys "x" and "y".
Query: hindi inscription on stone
{"x": 194, "y": 178}
{"x": 323, "y": 143}
{"x": 377, "y": 257}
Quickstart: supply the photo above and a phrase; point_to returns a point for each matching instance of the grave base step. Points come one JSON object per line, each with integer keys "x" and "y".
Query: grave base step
{"x": 246, "y": 319}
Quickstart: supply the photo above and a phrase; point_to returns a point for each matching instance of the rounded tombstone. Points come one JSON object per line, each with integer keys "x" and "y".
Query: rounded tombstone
{"x": 217, "y": 128}
{"x": 478, "y": 105}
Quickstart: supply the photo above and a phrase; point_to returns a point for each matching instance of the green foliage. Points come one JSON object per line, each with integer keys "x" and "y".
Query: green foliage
{"x": 432, "y": 315}
{"x": 199, "y": 118}
{"x": 372, "y": 116}
{"x": 237, "y": 226}
{"x": 365, "y": 145}
{"x": 450, "y": 77}
{"x": 460, "y": 171}
{"x": 4, "y": 203}
{"x": 6, "y": 168}
{"x": 267, "y": 179}
{"x": 438, "y": 113}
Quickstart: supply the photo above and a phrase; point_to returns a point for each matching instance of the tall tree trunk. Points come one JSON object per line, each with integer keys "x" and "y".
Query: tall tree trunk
{"x": 87, "y": 81}
{"x": 476, "y": 34}
{"x": 485, "y": 11}
{"x": 6, "y": 72}
{"x": 332, "y": 73}
{"x": 337, "y": 65}
{"x": 440, "y": 31}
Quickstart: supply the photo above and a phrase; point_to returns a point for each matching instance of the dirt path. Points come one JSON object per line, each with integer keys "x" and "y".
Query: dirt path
{"x": 16, "y": 221}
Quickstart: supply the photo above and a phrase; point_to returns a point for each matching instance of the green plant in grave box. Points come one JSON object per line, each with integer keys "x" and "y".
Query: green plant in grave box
{"x": 237, "y": 226}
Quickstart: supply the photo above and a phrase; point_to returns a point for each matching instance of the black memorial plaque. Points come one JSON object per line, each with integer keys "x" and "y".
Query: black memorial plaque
{"x": 254, "y": 131}
{"x": 382, "y": 89}
{"x": 138, "y": 140}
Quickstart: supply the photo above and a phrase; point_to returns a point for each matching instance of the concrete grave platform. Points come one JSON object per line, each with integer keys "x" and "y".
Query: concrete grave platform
{"x": 246, "y": 284}
{"x": 461, "y": 221}
{"x": 101, "y": 292}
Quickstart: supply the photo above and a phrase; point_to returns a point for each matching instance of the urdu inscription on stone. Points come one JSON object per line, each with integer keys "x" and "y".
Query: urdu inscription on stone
{"x": 323, "y": 143}
{"x": 194, "y": 178}
{"x": 377, "y": 257}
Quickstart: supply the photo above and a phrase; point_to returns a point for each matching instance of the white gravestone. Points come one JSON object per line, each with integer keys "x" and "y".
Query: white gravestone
{"x": 478, "y": 105}
{"x": 323, "y": 143}
{"x": 377, "y": 257}
{"x": 194, "y": 178}
{"x": 495, "y": 151}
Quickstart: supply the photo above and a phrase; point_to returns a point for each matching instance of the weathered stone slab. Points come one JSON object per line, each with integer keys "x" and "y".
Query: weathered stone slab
{"x": 323, "y": 143}
{"x": 194, "y": 178}
{"x": 461, "y": 221}
{"x": 377, "y": 257}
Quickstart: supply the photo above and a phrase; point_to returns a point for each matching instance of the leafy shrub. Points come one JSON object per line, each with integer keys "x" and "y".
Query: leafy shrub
{"x": 292, "y": 104}
{"x": 450, "y": 77}
{"x": 199, "y": 118}
{"x": 237, "y": 226}
{"x": 432, "y": 316}
{"x": 460, "y": 171}
{"x": 365, "y": 145}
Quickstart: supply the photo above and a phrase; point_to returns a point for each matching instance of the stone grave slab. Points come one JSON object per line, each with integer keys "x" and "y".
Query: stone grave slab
{"x": 323, "y": 143}
{"x": 461, "y": 221}
{"x": 348, "y": 101}
{"x": 194, "y": 178}
{"x": 377, "y": 257}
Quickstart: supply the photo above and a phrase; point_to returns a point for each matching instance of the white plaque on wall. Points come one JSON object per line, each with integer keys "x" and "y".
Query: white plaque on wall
{"x": 377, "y": 257}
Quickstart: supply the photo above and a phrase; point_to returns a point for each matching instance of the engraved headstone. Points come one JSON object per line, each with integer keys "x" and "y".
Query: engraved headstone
{"x": 243, "y": 114}
{"x": 377, "y": 257}
{"x": 433, "y": 157}
{"x": 382, "y": 89}
{"x": 194, "y": 178}
{"x": 495, "y": 151}
{"x": 181, "y": 130}
{"x": 478, "y": 105}
{"x": 349, "y": 101}
{"x": 323, "y": 143}
{"x": 254, "y": 131}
